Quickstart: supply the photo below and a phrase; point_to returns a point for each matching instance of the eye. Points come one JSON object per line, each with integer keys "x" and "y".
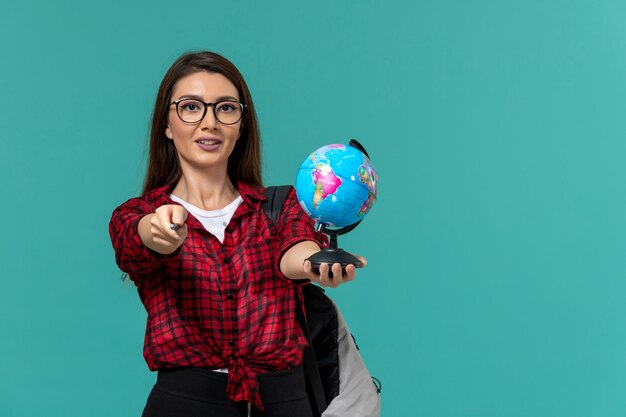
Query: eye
{"x": 191, "y": 106}
{"x": 228, "y": 107}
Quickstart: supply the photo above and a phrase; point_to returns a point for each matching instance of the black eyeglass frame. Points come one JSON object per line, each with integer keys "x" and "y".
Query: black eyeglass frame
{"x": 206, "y": 107}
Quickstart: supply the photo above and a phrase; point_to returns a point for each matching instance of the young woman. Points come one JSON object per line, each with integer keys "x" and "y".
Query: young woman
{"x": 215, "y": 275}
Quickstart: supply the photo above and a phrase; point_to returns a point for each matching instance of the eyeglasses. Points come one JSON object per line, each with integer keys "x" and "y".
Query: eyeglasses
{"x": 227, "y": 112}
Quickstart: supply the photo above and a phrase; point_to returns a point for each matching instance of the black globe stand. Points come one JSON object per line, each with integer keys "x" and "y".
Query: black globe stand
{"x": 333, "y": 254}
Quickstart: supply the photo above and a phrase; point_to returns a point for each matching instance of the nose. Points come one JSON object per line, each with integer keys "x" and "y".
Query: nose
{"x": 209, "y": 121}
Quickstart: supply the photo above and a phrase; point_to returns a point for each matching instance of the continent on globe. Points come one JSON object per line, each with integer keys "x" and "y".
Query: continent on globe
{"x": 325, "y": 181}
{"x": 367, "y": 176}
{"x": 367, "y": 205}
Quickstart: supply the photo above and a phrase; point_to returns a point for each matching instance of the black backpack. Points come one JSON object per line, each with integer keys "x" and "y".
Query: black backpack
{"x": 321, "y": 359}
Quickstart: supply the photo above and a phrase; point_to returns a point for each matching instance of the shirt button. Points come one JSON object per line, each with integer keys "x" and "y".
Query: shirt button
{"x": 229, "y": 295}
{"x": 226, "y": 260}
{"x": 231, "y": 343}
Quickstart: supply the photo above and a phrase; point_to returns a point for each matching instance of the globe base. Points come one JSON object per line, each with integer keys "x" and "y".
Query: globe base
{"x": 332, "y": 256}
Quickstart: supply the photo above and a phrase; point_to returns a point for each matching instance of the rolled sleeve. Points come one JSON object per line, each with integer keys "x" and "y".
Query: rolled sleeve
{"x": 131, "y": 255}
{"x": 295, "y": 226}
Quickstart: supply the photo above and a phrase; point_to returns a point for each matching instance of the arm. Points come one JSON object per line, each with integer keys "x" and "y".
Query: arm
{"x": 294, "y": 265}
{"x": 137, "y": 249}
{"x": 298, "y": 240}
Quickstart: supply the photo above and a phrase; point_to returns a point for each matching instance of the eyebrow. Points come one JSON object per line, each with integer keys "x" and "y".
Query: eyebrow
{"x": 194, "y": 97}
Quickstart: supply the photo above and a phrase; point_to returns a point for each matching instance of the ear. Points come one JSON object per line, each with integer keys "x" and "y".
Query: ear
{"x": 168, "y": 132}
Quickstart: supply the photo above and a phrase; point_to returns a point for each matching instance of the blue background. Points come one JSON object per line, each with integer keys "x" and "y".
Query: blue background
{"x": 495, "y": 285}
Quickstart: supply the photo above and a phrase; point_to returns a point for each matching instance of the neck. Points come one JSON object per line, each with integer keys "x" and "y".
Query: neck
{"x": 208, "y": 190}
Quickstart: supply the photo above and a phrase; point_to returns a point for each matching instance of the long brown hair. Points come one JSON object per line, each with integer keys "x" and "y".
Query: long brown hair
{"x": 244, "y": 164}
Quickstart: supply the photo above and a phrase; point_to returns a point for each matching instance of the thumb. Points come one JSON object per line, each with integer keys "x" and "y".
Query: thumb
{"x": 179, "y": 215}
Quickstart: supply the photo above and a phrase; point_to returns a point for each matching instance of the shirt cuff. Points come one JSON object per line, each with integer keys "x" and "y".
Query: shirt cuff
{"x": 317, "y": 238}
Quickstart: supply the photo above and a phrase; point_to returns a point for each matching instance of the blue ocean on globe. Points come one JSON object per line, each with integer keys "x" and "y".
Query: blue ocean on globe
{"x": 337, "y": 185}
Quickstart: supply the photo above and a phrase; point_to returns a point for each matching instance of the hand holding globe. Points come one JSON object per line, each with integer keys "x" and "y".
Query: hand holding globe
{"x": 337, "y": 186}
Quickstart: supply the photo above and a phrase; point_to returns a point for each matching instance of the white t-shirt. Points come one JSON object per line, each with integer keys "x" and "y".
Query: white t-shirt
{"x": 215, "y": 221}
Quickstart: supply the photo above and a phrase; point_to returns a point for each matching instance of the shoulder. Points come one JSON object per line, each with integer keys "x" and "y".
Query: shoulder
{"x": 285, "y": 195}
{"x": 251, "y": 192}
{"x": 151, "y": 199}
{"x": 254, "y": 193}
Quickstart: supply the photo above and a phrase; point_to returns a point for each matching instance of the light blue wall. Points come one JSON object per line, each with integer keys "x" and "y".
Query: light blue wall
{"x": 496, "y": 277}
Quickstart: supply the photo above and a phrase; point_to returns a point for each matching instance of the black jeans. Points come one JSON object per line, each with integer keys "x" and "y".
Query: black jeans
{"x": 197, "y": 392}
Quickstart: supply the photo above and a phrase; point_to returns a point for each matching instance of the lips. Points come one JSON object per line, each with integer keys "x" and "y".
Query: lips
{"x": 209, "y": 144}
{"x": 209, "y": 141}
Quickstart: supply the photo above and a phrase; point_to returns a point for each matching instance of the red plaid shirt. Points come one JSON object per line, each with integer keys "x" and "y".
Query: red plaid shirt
{"x": 217, "y": 305}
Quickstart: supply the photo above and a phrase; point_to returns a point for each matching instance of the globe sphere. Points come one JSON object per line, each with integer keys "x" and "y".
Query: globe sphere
{"x": 337, "y": 185}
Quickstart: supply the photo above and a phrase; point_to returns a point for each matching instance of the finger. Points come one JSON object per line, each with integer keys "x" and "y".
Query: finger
{"x": 164, "y": 215}
{"x": 185, "y": 214}
{"x": 350, "y": 273}
{"x": 158, "y": 221}
{"x": 337, "y": 275}
{"x": 324, "y": 280}
{"x": 363, "y": 260}
{"x": 307, "y": 268}
{"x": 182, "y": 232}
{"x": 179, "y": 215}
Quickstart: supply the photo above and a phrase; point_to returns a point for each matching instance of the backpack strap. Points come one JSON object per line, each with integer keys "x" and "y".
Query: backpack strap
{"x": 273, "y": 207}
{"x": 276, "y": 197}
{"x": 310, "y": 362}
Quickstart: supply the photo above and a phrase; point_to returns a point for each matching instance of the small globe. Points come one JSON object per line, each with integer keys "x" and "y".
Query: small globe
{"x": 336, "y": 185}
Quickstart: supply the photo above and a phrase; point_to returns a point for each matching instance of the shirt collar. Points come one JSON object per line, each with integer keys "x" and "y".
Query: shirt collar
{"x": 249, "y": 193}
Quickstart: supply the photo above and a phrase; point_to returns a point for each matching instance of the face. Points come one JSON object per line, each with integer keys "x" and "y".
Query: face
{"x": 208, "y": 143}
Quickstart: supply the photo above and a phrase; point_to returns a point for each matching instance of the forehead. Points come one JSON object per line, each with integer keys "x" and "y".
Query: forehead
{"x": 208, "y": 85}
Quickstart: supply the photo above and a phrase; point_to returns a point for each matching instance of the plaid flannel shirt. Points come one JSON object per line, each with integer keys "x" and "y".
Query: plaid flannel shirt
{"x": 218, "y": 305}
